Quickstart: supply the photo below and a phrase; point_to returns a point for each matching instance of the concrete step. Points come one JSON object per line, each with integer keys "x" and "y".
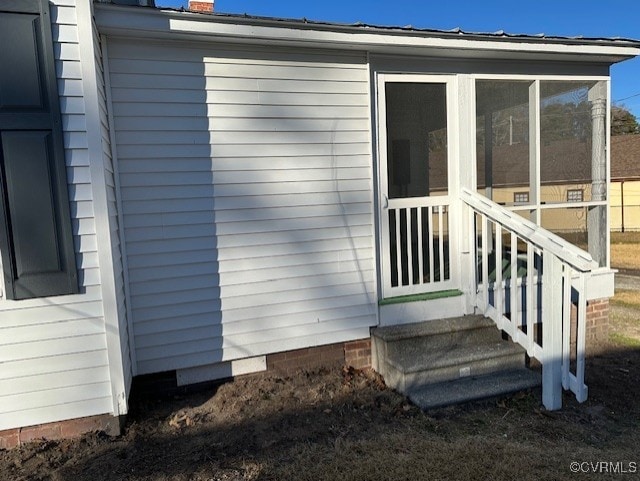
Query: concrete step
{"x": 443, "y": 341}
{"x": 464, "y": 357}
{"x": 408, "y": 369}
{"x": 411, "y": 341}
{"x": 431, "y": 328}
{"x": 409, "y": 361}
{"x": 474, "y": 388}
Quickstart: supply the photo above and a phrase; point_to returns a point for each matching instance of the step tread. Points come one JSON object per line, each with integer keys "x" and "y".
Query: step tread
{"x": 431, "y": 328}
{"x": 474, "y": 388}
{"x": 446, "y": 356}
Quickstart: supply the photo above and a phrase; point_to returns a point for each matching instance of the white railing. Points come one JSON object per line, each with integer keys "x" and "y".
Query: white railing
{"x": 418, "y": 254}
{"x": 532, "y": 283}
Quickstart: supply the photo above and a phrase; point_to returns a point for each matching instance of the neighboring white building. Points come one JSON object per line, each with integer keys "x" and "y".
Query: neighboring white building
{"x": 239, "y": 187}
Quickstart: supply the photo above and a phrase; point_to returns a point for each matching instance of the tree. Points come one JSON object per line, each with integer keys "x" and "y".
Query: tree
{"x": 623, "y": 121}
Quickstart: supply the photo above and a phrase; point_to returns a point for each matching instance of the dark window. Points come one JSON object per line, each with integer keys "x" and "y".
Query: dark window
{"x": 36, "y": 243}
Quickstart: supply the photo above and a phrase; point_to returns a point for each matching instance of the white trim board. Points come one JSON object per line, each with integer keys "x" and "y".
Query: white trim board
{"x": 419, "y": 311}
{"x": 101, "y": 212}
{"x": 223, "y": 370}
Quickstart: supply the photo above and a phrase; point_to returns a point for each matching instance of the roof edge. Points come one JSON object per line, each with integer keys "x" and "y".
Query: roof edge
{"x": 457, "y": 32}
{"x": 144, "y": 21}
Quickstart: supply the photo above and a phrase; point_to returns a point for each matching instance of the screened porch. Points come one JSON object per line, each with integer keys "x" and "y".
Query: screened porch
{"x": 518, "y": 221}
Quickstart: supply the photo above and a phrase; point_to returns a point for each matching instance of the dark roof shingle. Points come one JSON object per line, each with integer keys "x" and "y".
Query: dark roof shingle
{"x": 625, "y": 157}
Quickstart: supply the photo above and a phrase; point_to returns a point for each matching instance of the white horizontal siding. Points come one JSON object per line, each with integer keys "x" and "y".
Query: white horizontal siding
{"x": 53, "y": 350}
{"x": 246, "y": 180}
{"x": 187, "y": 124}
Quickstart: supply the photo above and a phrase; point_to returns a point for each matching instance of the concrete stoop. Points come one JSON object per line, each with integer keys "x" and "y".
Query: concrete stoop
{"x": 449, "y": 361}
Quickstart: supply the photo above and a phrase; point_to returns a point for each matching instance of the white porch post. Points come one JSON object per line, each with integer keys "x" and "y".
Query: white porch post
{"x": 552, "y": 332}
{"x": 534, "y": 149}
{"x": 596, "y": 220}
{"x": 466, "y": 169}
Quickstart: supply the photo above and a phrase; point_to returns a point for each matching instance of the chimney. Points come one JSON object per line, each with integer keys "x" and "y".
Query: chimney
{"x": 201, "y": 6}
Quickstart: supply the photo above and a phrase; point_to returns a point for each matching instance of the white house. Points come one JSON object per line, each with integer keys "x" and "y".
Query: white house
{"x": 196, "y": 194}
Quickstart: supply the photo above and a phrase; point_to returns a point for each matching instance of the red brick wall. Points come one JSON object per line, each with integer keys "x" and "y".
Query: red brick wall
{"x": 596, "y": 327}
{"x": 196, "y": 6}
{"x": 597, "y": 321}
{"x": 355, "y": 353}
{"x": 358, "y": 353}
{"x": 71, "y": 428}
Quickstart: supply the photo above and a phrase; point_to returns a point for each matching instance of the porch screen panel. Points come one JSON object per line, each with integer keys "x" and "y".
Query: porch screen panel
{"x": 566, "y": 140}
{"x": 503, "y": 116}
{"x": 541, "y": 150}
{"x": 416, "y": 139}
{"x": 573, "y": 170}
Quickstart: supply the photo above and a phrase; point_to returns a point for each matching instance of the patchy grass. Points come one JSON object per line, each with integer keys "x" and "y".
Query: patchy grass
{"x": 625, "y": 237}
{"x": 625, "y": 318}
{"x": 625, "y": 250}
{"x": 627, "y": 298}
{"x": 625, "y": 312}
{"x": 625, "y": 256}
{"x": 625, "y": 341}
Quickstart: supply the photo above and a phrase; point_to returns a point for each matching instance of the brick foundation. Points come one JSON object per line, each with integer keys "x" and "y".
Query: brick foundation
{"x": 354, "y": 353}
{"x": 597, "y": 327}
{"x": 358, "y": 353}
{"x": 71, "y": 428}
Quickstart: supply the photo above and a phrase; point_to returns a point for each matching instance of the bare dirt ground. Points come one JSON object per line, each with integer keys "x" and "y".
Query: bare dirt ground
{"x": 344, "y": 424}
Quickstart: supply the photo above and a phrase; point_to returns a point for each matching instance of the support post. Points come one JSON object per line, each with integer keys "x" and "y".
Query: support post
{"x": 596, "y": 219}
{"x": 622, "y": 205}
{"x": 551, "y": 332}
{"x": 534, "y": 149}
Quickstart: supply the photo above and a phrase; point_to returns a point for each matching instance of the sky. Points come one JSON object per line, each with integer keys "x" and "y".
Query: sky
{"x": 588, "y": 18}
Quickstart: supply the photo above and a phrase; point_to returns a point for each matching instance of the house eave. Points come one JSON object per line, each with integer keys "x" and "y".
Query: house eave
{"x": 163, "y": 24}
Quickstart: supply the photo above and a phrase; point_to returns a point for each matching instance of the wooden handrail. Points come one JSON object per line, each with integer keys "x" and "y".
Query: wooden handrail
{"x": 540, "y": 237}
{"x": 566, "y": 269}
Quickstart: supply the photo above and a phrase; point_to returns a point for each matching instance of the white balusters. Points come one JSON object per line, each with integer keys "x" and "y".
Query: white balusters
{"x": 485, "y": 263}
{"x": 560, "y": 268}
{"x": 441, "y": 265}
{"x": 513, "y": 289}
{"x": 531, "y": 291}
{"x": 398, "y": 247}
{"x": 422, "y": 246}
{"x": 430, "y": 245}
{"x": 408, "y": 240}
{"x": 580, "y": 389}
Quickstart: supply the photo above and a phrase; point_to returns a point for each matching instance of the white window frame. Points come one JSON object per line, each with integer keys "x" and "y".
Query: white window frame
{"x": 523, "y": 194}
{"x": 580, "y": 197}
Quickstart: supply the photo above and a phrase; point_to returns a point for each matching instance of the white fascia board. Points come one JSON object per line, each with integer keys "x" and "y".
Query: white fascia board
{"x": 146, "y": 22}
